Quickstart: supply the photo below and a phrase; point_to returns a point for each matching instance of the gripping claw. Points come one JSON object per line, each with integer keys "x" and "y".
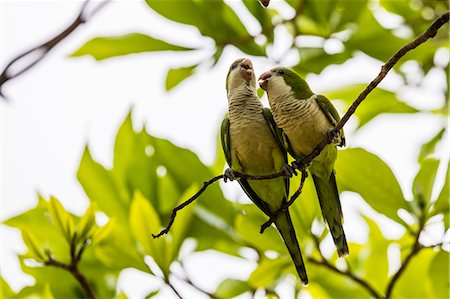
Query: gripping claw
{"x": 333, "y": 136}
{"x": 229, "y": 175}
{"x": 288, "y": 171}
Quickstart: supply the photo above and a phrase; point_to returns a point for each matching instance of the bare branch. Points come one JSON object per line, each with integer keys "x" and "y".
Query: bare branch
{"x": 43, "y": 49}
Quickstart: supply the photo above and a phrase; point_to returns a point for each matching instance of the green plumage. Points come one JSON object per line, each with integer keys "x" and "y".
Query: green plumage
{"x": 250, "y": 144}
{"x": 305, "y": 120}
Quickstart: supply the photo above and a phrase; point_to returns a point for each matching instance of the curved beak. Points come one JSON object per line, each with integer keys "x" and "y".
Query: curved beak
{"x": 264, "y": 79}
{"x": 247, "y": 69}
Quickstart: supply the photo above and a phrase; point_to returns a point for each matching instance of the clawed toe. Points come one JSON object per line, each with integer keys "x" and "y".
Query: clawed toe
{"x": 229, "y": 175}
{"x": 333, "y": 136}
{"x": 288, "y": 171}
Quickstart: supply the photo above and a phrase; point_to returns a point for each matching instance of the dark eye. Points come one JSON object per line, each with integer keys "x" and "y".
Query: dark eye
{"x": 233, "y": 66}
{"x": 280, "y": 72}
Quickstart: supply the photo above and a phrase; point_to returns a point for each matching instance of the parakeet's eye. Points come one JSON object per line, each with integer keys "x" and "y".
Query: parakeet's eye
{"x": 280, "y": 72}
{"x": 233, "y": 66}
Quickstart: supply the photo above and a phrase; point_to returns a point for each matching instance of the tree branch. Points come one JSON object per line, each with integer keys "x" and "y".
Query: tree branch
{"x": 302, "y": 164}
{"x": 43, "y": 49}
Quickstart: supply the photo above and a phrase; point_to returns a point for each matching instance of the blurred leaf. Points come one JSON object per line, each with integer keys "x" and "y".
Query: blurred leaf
{"x": 103, "y": 232}
{"x": 117, "y": 249}
{"x": 144, "y": 221}
{"x": 378, "y": 102}
{"x": 269, "y": 271}
{"x": 176, "y": 76}
{"x": 374, "y": 40}
{"x": 102, "y": 188}
{"x": 106, "y": 47}
{"x": 5, "y": 290}
{"x": 423, "y": 183}
{"x": 61, "y": 219}
{"x": 167, "y": 193}
{"x": 33, "y": 245}
{"x": 441, "y": 205}
{"x": 439, "y": 275}
{"x": 411, "y": 284}
{"x": 362, "y": 172}
{"x": 376, "y": 262}
{"x": 152, "y": 294}
{"x": 86, "y": 223}
{"x": 429, "y": 147}
{"x": 212, "y": 18}
{"x": 230, "y": 288}
{"x": 248, "y": 225}
{"x": 315, "y": 60}
{"x": 263, "y": 15}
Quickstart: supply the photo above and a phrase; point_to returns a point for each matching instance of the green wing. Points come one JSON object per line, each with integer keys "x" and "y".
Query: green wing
{"x": 225, "y": 138}
{"x": 332, "y": 114}
{"x": 280, "y": 137}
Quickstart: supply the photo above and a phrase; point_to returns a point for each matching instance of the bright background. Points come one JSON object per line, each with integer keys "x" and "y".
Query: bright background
{"x": 64, "y": 103}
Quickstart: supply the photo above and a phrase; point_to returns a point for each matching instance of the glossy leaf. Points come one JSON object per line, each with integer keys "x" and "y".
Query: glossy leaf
{"x": 442, "y": 203}
{"x": 439, "y": 274}
{"x": 230, "y": 288}
{"x": 176, "y": 76}
{"x": 106, "y": 47}
{"x": 423, "y": 183}
{"x": 362, "y": 172}
{"x": 101, "y": 187}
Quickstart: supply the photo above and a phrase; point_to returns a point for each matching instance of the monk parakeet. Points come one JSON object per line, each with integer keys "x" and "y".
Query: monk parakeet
{"x": 305, "y": 120}
{"x": 250, "y": 143}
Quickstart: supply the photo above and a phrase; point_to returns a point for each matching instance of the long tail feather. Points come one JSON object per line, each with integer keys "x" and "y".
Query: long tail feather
{"x": 287, "y": 232}
{"x": 331, "y": 210}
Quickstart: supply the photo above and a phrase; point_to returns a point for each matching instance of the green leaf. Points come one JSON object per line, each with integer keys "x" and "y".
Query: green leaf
{"x": 101, "y": 187}
{"x": 5, "y": 290}
{"x": 376, "y": 264}
{"x": 248, "y": 225}
{"x": 429, "y": 147}
{"x": 315, "y": 60}
{"x": 103, "y": 232}
{"x": 442, "y": 205}
{"x": 176, "y": 76}
{"x": 378, "y": 102}
{"x": 230, "y": 288}
{"x": 423, "y": 183}
{"x": 362, "y": 172}
{"x": 33, "y": 245}
{"x": 439, "y": 274}
{"x": 152, "y": 294}
{"x": 144, "y": 221}
{"x": 86, "y": 223}
{"x": 269, "y": 271}
{"x": 106, "y": 47}
{"x": 61, "y": 219}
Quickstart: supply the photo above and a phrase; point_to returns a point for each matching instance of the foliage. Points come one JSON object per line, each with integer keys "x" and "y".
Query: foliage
{"x": 150, "y": 175}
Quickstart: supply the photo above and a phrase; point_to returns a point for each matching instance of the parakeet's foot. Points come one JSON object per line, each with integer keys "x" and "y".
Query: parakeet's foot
{"x": 298, "y": 164}
{"x": 288, "y": 171}
{"x": 333, "y": 136}
{"x": 229, "y": 175}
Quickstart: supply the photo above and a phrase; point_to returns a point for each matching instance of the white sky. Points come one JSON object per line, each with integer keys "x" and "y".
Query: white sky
{"x": 64, "y": 103}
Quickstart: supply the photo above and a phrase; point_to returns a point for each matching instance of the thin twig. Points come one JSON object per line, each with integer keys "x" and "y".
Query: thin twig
{"x": 72, "y": 268}
{"x": 43, "y": 49}
{"x": 286, "y": 206}
{"x": 302, "y": 164}
{"x": 348, "y": 274}
{"x": 173, "y": 288}
{"x": 187, "y": 280}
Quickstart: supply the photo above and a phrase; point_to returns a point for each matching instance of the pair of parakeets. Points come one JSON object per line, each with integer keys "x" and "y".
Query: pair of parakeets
{"x": 256, "y": 142}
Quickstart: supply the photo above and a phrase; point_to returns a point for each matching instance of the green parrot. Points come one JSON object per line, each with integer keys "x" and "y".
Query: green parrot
{"x": 305, "y": 120}
{"x": 251, "y": 146}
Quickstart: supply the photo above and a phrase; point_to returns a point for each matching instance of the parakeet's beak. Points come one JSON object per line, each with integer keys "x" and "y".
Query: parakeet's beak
{"x": 246, "y": 69}
{"x": 264, "y": 79}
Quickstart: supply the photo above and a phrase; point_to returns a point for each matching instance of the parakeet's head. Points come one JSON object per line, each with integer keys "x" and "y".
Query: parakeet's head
{"x": 283, "y": 81}
{"x": 241, "y": 73}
